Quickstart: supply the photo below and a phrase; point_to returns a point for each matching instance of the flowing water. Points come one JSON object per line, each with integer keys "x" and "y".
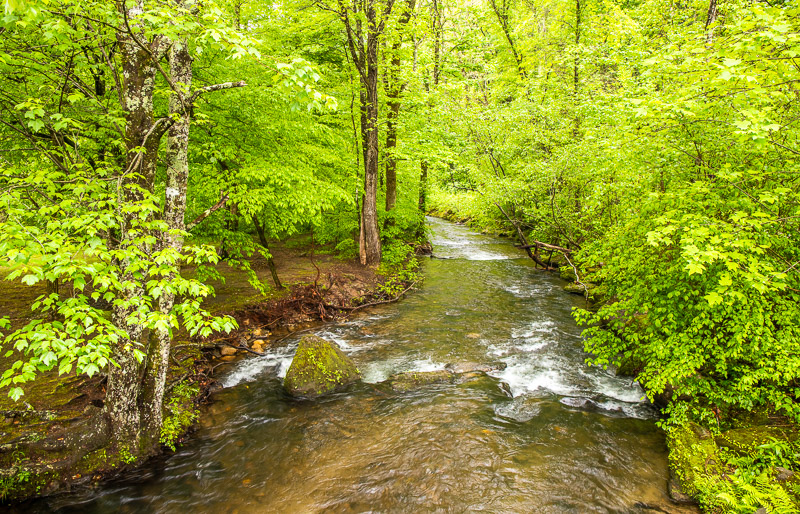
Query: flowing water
{"x": 546, "y": 434}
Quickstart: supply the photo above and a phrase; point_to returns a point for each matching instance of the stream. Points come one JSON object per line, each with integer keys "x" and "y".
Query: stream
{"x": 546, "y": 434}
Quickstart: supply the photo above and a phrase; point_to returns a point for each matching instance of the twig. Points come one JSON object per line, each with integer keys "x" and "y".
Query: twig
{"x": 244, "y": 348}
{"x": 391, "y": 300}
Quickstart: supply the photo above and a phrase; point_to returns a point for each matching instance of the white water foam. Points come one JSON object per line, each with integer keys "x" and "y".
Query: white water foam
{"x": 529, "y": 291}
{"x": 617, "y": 388}
{"x": 276, "y": 360}
{"x": 534, "y": 329}
{"x": 481, "y": 255}
{"x": 525, "y": 377}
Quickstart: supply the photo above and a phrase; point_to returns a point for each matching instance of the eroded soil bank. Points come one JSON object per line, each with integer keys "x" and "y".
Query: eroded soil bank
{"x": 53, "y": 439}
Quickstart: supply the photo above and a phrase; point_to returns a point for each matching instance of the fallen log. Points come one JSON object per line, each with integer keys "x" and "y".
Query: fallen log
{"x": 539, "y": 244}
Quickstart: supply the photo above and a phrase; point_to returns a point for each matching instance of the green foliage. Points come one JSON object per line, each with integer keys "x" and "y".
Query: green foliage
{"x": 14, "y": 478}
{"x": 703, "y": 283}
{"x": 660, "y": 145}
{"x": 180, "y": 413}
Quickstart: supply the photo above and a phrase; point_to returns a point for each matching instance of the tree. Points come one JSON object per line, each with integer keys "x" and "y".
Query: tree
{"x": 394, "y": 89}
{"x": 364, "y": 23}
{"x": 92, "y": 219}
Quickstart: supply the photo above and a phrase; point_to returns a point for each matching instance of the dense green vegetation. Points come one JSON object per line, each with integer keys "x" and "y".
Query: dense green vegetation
{"x": 656, "y": 142}
{"x": 653, "y": 144}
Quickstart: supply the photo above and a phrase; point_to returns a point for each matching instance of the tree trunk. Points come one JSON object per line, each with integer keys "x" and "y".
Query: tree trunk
{"x": 437, "y": 41}
{"x": 174, "y": 211}
{"x": 502, "y": 18}
{"x": 124, "y": 386}
{"x": 393, "y": 92}
{"x": 423, "y": 184}
{"x": 371, "y": 242}
{"x": 262, "y": 239}
{"x": 575, "y": 64}
{"x": 711, "y": 17}
{"x": 365, "y": 59}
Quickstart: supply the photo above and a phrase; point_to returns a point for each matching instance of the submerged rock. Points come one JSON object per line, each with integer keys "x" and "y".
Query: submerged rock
{"x": 409, "y": 380}
{"x": 319, "y": 367}
{"x": 460, "y": 372}
{"x": 472, "y": 367}
{"x": 590, "y": 404}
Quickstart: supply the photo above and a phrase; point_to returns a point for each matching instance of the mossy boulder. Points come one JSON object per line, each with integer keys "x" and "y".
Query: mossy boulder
{"x": 575, "y": 288}
{"x": 693, "y": 457}
{"x": 745, "y": 441}
{"x": 567, "y": 273}
{"x": 319, "y": 367}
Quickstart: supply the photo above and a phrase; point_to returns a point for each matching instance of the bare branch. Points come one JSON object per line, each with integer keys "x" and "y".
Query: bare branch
{"x": 208, "y": 212}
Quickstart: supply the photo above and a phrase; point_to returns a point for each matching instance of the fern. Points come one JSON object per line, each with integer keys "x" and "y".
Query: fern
{"x": 741, "y": 496}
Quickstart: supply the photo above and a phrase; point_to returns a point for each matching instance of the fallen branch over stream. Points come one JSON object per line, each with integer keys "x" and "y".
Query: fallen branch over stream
{"x": 539, "y": 244}
{"x": 371, "y": 304}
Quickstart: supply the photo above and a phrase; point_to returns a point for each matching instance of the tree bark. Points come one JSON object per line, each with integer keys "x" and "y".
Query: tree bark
{"x": 575, "y": 69}
{"x": 423, "y": 185}
{"x": 364, "y": 51}
{"x": 437, "y": 41}
{"x": 711, "y": 17}
{"x": 177, "y": 161}
{"x": 139, "y": 72}
{"x": 262, "y": 239}
{"x": 393, "y": 92}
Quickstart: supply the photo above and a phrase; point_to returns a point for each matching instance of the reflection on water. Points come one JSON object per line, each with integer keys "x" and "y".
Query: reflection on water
{"x": 546, "y": 434}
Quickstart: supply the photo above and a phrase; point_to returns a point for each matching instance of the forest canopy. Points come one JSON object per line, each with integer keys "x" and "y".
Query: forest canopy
{"x": 651, "y": 145}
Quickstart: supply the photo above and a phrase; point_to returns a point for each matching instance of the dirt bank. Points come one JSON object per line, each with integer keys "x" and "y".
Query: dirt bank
{"x": 49, "y": 441}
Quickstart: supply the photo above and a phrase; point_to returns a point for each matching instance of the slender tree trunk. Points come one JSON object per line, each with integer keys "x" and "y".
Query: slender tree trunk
{"x": 393, "y": 92}
{"x": 392, "y": 114}
{"x": 437, "y": 46}
{"x": 262, "y": 239}
{"x": 371, "y": 242}
{"x": 575, "y": 70}
{"x": 437, "y": 41}
{"x": 177, "y": 161}
{"x": 237, "y": 13}
{"x": 364, "y": 51}
{"x": 423, "y": 185}
{"x": 502, "y": 18}
{"x": 711, "y": 17}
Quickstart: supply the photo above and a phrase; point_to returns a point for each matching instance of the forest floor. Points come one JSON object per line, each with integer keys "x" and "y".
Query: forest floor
{"x": 53, "y": 404}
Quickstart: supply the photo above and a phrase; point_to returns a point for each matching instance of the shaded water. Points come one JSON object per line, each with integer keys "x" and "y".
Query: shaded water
{"x": 547, "y": 434}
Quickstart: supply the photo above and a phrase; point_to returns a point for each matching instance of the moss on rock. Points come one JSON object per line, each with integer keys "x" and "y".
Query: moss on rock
{"x": 693, "y": 457}
{"x": 746, "y": 441}
{"x": 319, "y": 367}
{"x": 567, "y": 273}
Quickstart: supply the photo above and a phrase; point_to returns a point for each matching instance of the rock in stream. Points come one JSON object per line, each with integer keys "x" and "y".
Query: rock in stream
{"x": 319, "y": 367}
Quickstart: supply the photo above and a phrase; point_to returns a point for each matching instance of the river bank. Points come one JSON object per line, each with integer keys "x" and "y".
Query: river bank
{"x": 46, "y": 443}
